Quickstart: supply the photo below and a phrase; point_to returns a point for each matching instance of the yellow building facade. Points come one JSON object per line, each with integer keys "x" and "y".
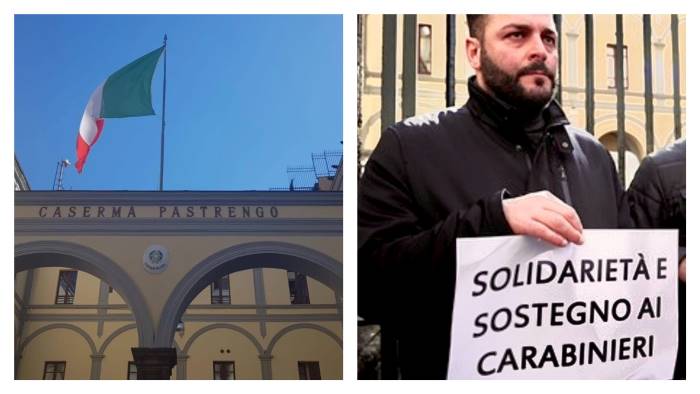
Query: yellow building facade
{"x": 431, "y": 74}
{"x": 244, "y": 285}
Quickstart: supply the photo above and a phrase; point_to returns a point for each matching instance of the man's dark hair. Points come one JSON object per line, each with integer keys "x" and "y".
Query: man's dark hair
{"x": 476, "y": 23}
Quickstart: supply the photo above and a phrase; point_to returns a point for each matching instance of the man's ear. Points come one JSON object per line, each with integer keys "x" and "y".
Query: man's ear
{"x": 473, "y": 52}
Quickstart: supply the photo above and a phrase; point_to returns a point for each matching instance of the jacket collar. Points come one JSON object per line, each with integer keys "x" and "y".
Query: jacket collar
{"x": 510, "y": 122}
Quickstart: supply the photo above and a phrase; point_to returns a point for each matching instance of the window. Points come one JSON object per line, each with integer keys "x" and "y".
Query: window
{"x": 610, "y": 55}
{"x": 309, "y": 370}
{"x": 298, "y": 289}
{"x": 54, "y": 370}
{"x": 65, "y": 293}
{"x": 425, "y": 35}
{"x": 221, "y": 291}
{"x": 131, "y": 371}
{"x": 224, "y": 370}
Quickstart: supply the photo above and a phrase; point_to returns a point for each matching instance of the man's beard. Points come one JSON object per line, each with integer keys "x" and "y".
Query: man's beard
{"x": 508, "y": 88}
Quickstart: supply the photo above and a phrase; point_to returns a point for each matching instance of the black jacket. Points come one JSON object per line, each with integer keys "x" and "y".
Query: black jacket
{"x": 657, "y": 192}
{"x": 658, "y": 200}
{"x": 434, "y": 178}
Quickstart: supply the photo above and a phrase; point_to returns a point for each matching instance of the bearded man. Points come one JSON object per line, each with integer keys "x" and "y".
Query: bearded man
{"x": 505, "y": 163}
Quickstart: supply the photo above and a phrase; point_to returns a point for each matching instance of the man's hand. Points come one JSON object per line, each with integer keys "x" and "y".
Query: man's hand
{"x": 681, "y": 270}
{"x": 544, "y": 216}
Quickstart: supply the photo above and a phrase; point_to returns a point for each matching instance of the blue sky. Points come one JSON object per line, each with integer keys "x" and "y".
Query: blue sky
{"x": 247, "y": 96}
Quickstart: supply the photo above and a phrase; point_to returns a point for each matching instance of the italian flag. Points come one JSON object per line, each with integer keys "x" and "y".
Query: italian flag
{"x": 123, "y": 94}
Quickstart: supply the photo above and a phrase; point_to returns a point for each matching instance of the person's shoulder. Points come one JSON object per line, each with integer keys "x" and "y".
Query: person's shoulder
{"x": 427, "y": 124}
{"x": 667, "y": 166}
{"x": 664, "y": 168}
{"x": 585, "y": 140}
{"x": 410, "y": 136}
{"x": 670, "y": 155}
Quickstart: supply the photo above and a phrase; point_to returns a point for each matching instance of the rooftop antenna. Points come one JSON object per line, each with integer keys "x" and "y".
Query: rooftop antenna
{"x": 58, "y": 175}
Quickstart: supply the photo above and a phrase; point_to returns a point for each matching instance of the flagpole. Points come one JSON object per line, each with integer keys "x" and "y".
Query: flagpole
{"x": 162, "y": 129}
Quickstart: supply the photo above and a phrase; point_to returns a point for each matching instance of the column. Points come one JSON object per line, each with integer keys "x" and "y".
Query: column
{"x": 154, "y": 363}
{"x": 266, "y": 365}
{"x": 96, "y": 366}
{"x": 181, "y": 366}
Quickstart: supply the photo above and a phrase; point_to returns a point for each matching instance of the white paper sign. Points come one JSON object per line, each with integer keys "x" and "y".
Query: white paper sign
{"x": 607, "y": 309}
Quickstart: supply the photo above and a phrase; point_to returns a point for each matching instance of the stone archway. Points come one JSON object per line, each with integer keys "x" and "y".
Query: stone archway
{"x": 634, "y": 153}
{"x": 268, "y": 354}
{"x": 56, "y": 326}
{"x": 42, "y": 254}
{"x": 609, "y": 140}
{"x": 300, "y": 326}
{"x": 280, "y": 255}
{"x": 265, "y": 366}
{"x": 115, "y": 334}
{"x": 94, "y": 355}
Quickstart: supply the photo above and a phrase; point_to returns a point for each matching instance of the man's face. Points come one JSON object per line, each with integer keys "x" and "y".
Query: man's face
{"x": 518, "y": 59}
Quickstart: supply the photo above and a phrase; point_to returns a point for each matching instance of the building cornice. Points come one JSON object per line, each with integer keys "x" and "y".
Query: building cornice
{"x": 184, "y": 227}
{"x": 194, "y": 198}
{"x": 188, "y": 317}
